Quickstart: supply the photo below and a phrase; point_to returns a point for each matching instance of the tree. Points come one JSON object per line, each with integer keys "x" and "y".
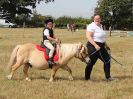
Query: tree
{"x": 62, "y": 22}
{"x": 19, "y": 7}
{"x": 37, "y": 19}
{"x": 122, "y": 13}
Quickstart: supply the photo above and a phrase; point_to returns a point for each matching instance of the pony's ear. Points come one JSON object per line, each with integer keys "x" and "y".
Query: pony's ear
{"x": 82, "y": 48}
{"x": 80, "y": 43}
{"x": 86, "y": 50}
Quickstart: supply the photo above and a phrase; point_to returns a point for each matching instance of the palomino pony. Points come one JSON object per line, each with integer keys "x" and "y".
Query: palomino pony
{"x": 28, "y": 55}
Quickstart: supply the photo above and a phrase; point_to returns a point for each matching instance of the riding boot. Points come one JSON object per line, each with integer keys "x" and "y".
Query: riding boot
{"x": 51, "y": 62}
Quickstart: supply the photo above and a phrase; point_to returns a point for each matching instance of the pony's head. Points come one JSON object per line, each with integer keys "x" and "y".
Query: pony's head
{"x": 82, "y": 53}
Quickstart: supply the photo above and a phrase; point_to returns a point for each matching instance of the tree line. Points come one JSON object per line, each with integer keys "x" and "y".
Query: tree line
{"x": 37, "y": 20}
{"x": 115, "y": 13}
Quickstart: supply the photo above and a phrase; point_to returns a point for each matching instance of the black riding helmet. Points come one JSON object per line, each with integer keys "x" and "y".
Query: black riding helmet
{"x": 47, "y": 20}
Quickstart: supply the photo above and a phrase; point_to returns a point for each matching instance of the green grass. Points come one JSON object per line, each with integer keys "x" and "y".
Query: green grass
{"x": 62, "y": 88}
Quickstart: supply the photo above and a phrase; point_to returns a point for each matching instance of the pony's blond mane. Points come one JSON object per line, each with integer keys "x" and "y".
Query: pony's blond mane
{"x": 67, "y": 51}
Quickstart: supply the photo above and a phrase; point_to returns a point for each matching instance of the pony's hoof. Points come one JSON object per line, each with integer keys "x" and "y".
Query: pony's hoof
{"x": 70, "y": 78}
{"x": 9, "y": 77}
{"x": 51, "y": 80}
{"x": 27, "y": 79}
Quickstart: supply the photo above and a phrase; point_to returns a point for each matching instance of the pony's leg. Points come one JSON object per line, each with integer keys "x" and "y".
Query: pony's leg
{"x": 66, "y": 68}
{"x": 53, "y": 72}
{"x": 25, "y": 70}
{"x": 14, "y": 68}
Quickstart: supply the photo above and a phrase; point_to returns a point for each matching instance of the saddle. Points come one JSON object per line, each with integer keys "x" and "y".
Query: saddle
{"x": 46, "y": 51}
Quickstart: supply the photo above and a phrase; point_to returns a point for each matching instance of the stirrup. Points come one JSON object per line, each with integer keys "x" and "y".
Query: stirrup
{"x": 51, "y": 63}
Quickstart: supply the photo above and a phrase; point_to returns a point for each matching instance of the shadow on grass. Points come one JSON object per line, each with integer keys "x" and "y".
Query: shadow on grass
{"x": 56, "y": 78}
{"x": 123, "y": 77}
{"x": 116, "y": 78}
{"x": 40, "y": 78}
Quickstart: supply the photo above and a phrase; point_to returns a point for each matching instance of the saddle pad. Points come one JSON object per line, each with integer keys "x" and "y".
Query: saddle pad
{"x": 55, "y": 56}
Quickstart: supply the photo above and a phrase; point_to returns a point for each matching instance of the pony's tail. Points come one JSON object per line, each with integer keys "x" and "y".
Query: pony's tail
{"x": 12, "y": 58}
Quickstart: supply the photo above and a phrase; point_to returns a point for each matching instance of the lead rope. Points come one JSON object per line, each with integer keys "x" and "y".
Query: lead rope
{"x": 93, "y": 53}
{"x": 103, "y": 58}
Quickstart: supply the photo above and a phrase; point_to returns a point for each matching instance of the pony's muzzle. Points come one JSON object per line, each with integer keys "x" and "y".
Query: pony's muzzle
{"x": 87, "y": 59}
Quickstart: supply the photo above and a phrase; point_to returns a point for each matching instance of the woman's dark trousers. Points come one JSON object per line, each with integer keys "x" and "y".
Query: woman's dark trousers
{"x": 102, "y": 54}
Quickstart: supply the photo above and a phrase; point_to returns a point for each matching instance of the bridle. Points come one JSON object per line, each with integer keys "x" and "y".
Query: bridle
{"x": 82, "y": 57}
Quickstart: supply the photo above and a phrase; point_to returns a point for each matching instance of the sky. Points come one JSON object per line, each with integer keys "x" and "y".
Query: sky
{"x": 73, "y": 8}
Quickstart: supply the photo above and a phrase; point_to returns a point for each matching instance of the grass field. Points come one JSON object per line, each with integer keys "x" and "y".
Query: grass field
{"x": 62, "y": 88}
